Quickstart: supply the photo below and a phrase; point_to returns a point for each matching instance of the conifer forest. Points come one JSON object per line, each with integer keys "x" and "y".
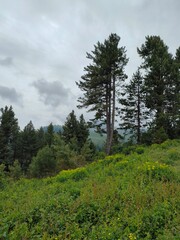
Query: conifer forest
{"x": 114, "y": 176}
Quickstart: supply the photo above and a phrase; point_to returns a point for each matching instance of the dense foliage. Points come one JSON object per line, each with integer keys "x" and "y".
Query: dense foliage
{"x": 75, "y": 132}
{"x": 8, "y": 136}
{"x": 128, "y": 196}
{"x": 40, "y": 153}
{"x": 161, "y": 87}
{"x": 133, "y": 112}
{"x": 149, "y": 103}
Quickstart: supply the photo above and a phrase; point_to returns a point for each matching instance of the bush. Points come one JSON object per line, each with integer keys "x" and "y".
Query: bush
{"x": 87, "y": 214}
{"x": 15, "y": 170}
{"x": 131, "y": 149}
{"x": 170, "y": 143}
{"x": 74, "y": 174}
{"x": 2, "y": 176}
{"x": 139, "y": 150}
{"x": 131, "y": 197}
{"x": 154, "y": 222}
{"x": 158, "y": 171}
{"x": 44, "y": 164}
{"x": 128, "y": 150}
{"x": 160, "y": 136}
{"x": 173, "y": 154}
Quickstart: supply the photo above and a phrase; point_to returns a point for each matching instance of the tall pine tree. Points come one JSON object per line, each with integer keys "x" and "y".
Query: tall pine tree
{"x": 75, "y": 132}
{"x": 9, "y": 131}
{"x": 41, "y": 141}
{"x": 49, "y": 135}
{"x": 70, "y": 128}
{"x": 157, "y": 63}
{"x": 133, "y": 112}
{"x": 100, "y": 84}
{"x": 29, "y": 145}
{"x": 173, "y": 98}
{"x": 83, "y": 131}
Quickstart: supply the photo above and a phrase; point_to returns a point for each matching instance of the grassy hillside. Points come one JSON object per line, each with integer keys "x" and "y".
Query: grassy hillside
{"x": 121, "y": 197}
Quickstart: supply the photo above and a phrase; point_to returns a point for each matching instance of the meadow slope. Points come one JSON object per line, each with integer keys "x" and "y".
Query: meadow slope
{"x": 134, "y": 196}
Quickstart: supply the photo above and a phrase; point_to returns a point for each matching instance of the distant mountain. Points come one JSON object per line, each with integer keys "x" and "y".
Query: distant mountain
{"x": 96, "y": 138}
{"x": 56, "y": 128}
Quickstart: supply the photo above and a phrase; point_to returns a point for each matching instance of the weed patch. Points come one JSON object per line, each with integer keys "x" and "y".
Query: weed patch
{"x": 124, "y": 196}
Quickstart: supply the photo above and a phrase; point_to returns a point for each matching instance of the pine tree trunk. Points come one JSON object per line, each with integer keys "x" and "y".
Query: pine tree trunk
{"x": 113, "y": 112}
{"x": 109, "y": 115}
{"x": 138, "y": 118}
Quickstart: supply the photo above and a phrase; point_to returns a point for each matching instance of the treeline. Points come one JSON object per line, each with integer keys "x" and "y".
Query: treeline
{"x": 39, "y": 153}
{"x": 146, "y": 106}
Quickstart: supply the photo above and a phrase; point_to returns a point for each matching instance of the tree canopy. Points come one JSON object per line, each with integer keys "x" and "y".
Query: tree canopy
{"x": 101, "y": 82}
{"x": 8, "y": 136}
{"x": 161, "y": 86}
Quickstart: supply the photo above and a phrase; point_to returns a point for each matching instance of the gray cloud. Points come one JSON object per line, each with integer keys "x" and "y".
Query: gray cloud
{"x": 52, "y": 93}
{"x": 8, "y": 61}
{"x": 10, "y": 94}
{"x": 49, "y": 40}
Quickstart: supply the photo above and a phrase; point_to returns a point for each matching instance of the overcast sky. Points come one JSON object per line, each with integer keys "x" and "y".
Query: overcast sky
{"x": 43, "y": 45}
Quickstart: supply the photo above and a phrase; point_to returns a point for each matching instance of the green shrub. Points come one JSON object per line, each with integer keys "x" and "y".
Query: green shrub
{"x": 171, "y": 157}
{"x": 73, "y": 174}
{"x": 154, "y": 222}
{"x": 173, "y": 154}
{"x": 139, "y": 150}
{"x": 115, "y": 158}
{"x": 87, "y": 214}
{"x": 3, "y": 177}
{"x": 128, "y": 150}
{"x": 15, "y": 170}
{"x": 79, "y": 174}
{"x": 100, "y": 155}
{"x": 121, "y": 165}
{"x": 170, "y": 143}
{"x": 159, "y": 136}
{"x": 158, "y": 171}
{"x": 44, "y": 164}
{"x": 33, "y": 217}
{"x": 130, "y": 197}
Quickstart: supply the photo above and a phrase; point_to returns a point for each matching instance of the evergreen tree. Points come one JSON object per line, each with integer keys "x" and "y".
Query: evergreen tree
{"x": 75, "y": 133}
{"x": 44, "y": 163}
{"x": 100, "y": 84}
{"x": 157, "y": 81}
{"x": 49, "y": 136}
{"x": 173, "y": 98}
{"x": 66, "y": 156}
{"x": 70, "y": 128}
{"x": 9, "y": 130}
{"x": 117, "y": 142}
{"x": 40, "y": 138}
{"x": 88, "y": 151}
{"x": 29, "y": 146}
{"x": 133, "y": 113}
{"x": 82, "y": 131}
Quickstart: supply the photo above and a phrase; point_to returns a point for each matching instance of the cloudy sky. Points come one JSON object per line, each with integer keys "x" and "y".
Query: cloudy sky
{"x": 43, "y": 45}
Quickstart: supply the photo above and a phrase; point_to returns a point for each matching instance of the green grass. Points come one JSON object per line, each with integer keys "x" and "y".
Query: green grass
{"x": 124, "y": 197}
